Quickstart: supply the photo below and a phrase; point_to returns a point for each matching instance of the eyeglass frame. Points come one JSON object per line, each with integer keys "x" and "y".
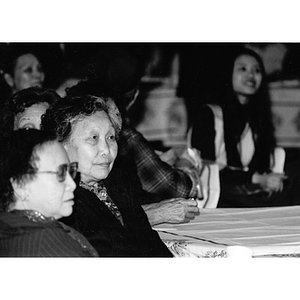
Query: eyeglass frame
{"x": 71, "y": 168}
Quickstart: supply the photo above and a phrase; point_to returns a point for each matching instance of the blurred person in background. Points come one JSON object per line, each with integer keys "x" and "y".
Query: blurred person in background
{"x": 21, "y": 69}
{"x": 25, "y": 108}
{"x": 239, "y": 135}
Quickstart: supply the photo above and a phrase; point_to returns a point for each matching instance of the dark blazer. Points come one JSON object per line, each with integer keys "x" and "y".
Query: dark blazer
{"x": 21, "y": 237}
{"x": 92, "y": 218}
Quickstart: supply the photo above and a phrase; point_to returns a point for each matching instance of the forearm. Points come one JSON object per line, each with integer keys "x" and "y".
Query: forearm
{"x": 176, "y": 210}
{"x": 154, "y": 214}
{"x": 159, "y": 177}
{"x": 156, "y": 176}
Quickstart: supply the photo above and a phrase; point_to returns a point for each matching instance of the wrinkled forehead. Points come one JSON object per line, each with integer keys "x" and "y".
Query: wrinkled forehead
{"x": 98, "y": 120}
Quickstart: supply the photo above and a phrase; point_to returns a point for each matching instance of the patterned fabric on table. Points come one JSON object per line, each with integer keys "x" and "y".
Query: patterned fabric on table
{"x": 181, "y": 248}
{"x": 100, "y": 191}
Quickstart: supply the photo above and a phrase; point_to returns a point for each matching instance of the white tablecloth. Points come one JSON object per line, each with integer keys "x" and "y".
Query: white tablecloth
{"x": 269, "y": 232}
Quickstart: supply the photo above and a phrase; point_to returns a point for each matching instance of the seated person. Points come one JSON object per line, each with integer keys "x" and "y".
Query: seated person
{"x": 239, "y": 135}
{"x": 155, "y": 176}
{"x": 107, "y": 210}
{"x": 36, "y": 189}
{"x": 24, "y": 109}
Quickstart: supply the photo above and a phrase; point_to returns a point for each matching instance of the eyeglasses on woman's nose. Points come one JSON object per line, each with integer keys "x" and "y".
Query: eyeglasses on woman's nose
{"x": 62, "y": 170}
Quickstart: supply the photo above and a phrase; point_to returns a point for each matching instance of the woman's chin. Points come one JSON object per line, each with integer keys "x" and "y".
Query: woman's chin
{"x": 95, "y": 177}
{"x": 67, "y": 207}
{"x": 102, "y": 175}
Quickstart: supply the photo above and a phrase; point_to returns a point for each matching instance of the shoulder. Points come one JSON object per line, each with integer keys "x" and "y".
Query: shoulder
{"x": 117, "y": 175}
{"x": 52, "y": 241}
{"x": 122, "y": 188}
{"x": 10, "y": 220}
{"x": 130, "y": 138}
{"x": 130, "y": 132}
{"x": 206, "y": 117}
{"x": 24, "y": 237}
{"x": 118, "y": 181}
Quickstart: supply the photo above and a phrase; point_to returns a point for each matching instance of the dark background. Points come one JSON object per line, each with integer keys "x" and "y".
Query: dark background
{"x": 122, "y": 65}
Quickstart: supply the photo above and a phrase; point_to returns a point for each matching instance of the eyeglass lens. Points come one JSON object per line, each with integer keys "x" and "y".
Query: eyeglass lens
{"x": 62, "y": 171}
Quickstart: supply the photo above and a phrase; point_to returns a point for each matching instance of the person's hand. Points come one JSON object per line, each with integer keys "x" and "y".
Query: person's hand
{"x": 175, "y": 211}
{"x": 272, "y": 182}
{"x": 190, "y": 158}
{"x": 179, "y": 210}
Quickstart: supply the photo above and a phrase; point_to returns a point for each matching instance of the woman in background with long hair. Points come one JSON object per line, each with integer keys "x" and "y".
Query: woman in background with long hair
{"x": 239, "y": 135}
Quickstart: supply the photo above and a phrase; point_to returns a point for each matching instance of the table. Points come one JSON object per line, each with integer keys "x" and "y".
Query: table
{"x": 269, "y": 232}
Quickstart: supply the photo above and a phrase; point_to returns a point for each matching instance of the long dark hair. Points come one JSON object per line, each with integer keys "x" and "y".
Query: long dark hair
{"x": 257, "y": 112}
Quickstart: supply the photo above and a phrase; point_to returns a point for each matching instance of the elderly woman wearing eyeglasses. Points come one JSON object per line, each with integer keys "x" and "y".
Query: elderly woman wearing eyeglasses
{"x": 36, "y": 189}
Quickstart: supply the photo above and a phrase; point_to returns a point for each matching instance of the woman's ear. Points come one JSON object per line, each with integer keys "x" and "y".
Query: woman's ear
{"x": 19, "y": 190}
{"x": 66, "y": 147}
{"x": 9, "y": 80}
{"x": 14, "y": 184}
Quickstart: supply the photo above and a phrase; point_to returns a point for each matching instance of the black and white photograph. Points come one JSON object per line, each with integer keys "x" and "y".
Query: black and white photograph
{"x": 136, "y": 155}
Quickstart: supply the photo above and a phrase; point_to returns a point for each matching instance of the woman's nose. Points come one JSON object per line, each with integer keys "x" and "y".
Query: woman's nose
{"x": 71, "y": 185}
{"x": 104, "y": 149}
{"x": 251, "y": 73}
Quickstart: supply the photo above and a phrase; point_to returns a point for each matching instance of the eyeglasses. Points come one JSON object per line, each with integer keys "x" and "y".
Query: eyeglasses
{"x": 61, "y": 173}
